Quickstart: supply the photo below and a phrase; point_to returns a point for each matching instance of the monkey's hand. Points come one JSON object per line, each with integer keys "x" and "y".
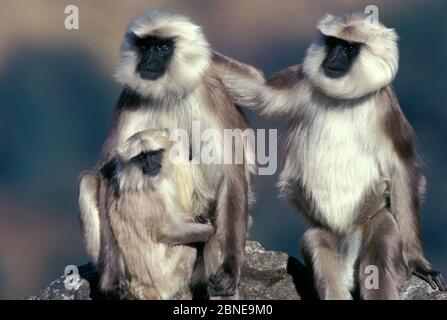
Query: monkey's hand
{"x": 222, "y": 283}
{"x": 184, "y": 232}
{"x": 434, "y": 278}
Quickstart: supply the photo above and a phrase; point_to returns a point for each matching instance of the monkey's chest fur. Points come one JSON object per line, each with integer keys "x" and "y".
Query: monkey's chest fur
{"x": 175, "y": 117}
{"x": 207, "y": 108}
{"x": 148, "y": 263}
{"x": 339, "y": 161}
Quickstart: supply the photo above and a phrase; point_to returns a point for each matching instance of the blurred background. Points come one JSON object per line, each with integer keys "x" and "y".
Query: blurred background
{"x": 57, "y": 94}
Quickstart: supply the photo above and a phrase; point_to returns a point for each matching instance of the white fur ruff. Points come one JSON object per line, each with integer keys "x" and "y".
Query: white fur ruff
{"x": 374, "y": 68}
{"x": 191, "y": 59}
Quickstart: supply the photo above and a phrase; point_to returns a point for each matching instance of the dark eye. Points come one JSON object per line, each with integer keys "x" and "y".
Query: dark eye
{"x": 156, "y": 155}
{"x": 163, "y": 47}
{"x": 141, "y": 156}
{"x": 350, "y": 49}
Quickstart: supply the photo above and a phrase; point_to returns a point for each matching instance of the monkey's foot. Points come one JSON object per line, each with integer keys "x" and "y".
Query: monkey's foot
{"x": 233, "y": 297}
{"x": 222, "y": 284}
{"x": 434, "y": 278}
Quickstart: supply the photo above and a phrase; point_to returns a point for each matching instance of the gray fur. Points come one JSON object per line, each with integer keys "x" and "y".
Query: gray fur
{"x": 351, "y": 165}
{"x": 191, "y": 90}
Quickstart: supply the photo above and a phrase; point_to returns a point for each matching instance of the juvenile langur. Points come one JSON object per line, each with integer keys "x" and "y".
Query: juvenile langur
{"x": 170, "y": 81}
{"x": 351, "y": 165}
{"x": 150, "y": 225}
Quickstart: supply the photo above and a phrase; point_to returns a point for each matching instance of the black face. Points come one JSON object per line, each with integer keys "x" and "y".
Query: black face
{"x": 149, "y": 162}
{"x": 154, "y": 56}
{"x": 340, "y": 55}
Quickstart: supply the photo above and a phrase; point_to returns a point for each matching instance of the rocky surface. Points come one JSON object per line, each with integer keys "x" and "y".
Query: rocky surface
{"x": 266, "y": 275}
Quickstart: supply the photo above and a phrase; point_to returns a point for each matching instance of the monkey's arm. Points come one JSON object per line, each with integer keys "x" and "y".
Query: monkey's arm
{"x": 407, "y": 190}
{"x": 183, "y": 232}
{"x": 89, "y": 213}
{"x": 275, "y": 97}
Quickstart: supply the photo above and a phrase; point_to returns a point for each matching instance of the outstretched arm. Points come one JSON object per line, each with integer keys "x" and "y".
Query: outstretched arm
{"x": 244, "y": 83}
{"x": 183, "y": 232}
{"x": 275, "y": 97}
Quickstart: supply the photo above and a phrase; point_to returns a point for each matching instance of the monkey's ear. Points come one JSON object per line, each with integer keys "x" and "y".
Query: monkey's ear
{"x": 108, "y": 171}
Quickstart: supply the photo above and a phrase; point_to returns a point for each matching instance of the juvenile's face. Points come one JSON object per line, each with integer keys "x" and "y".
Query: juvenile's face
{"x": 130, "y": 174}
{"x": 138, "y": 162}
{"x": 150, "y": 162}
{"x": 154, "y": 55}
{"x": 145, "y": 152}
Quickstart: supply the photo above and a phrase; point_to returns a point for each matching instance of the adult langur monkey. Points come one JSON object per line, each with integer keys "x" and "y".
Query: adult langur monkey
{"x": 351, "y": 165}
{"x": 170, "y": 81}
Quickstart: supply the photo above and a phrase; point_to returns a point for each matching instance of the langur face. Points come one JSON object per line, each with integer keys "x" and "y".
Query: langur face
{"x": 340, "y": 55}
{"x": 150, "y": 162}
{"x": 154, "y": 56}
{"x": 139, "y": 159}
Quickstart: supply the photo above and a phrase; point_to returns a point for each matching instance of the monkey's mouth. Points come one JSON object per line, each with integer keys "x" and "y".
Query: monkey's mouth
{"x": 334, "y": 72}
{"x": 147, "y": 74}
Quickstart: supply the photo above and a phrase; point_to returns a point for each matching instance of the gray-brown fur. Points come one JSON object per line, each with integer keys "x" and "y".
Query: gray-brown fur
{"x": 146, "y": 233}
{"x": 193, "y": 91}
{"x": 382, "y": 247}
{"x": 350, "y": 165}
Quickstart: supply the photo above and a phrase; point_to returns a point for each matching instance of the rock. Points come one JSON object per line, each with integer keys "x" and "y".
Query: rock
{"x": 417, "y": 289}
{"x": 82, "y": 287}
{"x": 272, "y": 275}
{"x": 267, "y": 275}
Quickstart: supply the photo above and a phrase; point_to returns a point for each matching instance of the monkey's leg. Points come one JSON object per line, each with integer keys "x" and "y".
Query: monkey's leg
{"x": 332, "y": 259}
{"x": 89, "y": 213}
{"x": 232, "y": 228}
{"x": 100, "y": 243}
{"x": 407, "y": 189}
{"x": 110, "y": 262}
{"x": 184, "y": 233}
{"x": 381, "y": 268}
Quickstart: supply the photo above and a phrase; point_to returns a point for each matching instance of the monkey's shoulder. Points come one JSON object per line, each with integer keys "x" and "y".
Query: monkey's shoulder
{"x": 397, "y": 127}
{"x": 129, "y": 99}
